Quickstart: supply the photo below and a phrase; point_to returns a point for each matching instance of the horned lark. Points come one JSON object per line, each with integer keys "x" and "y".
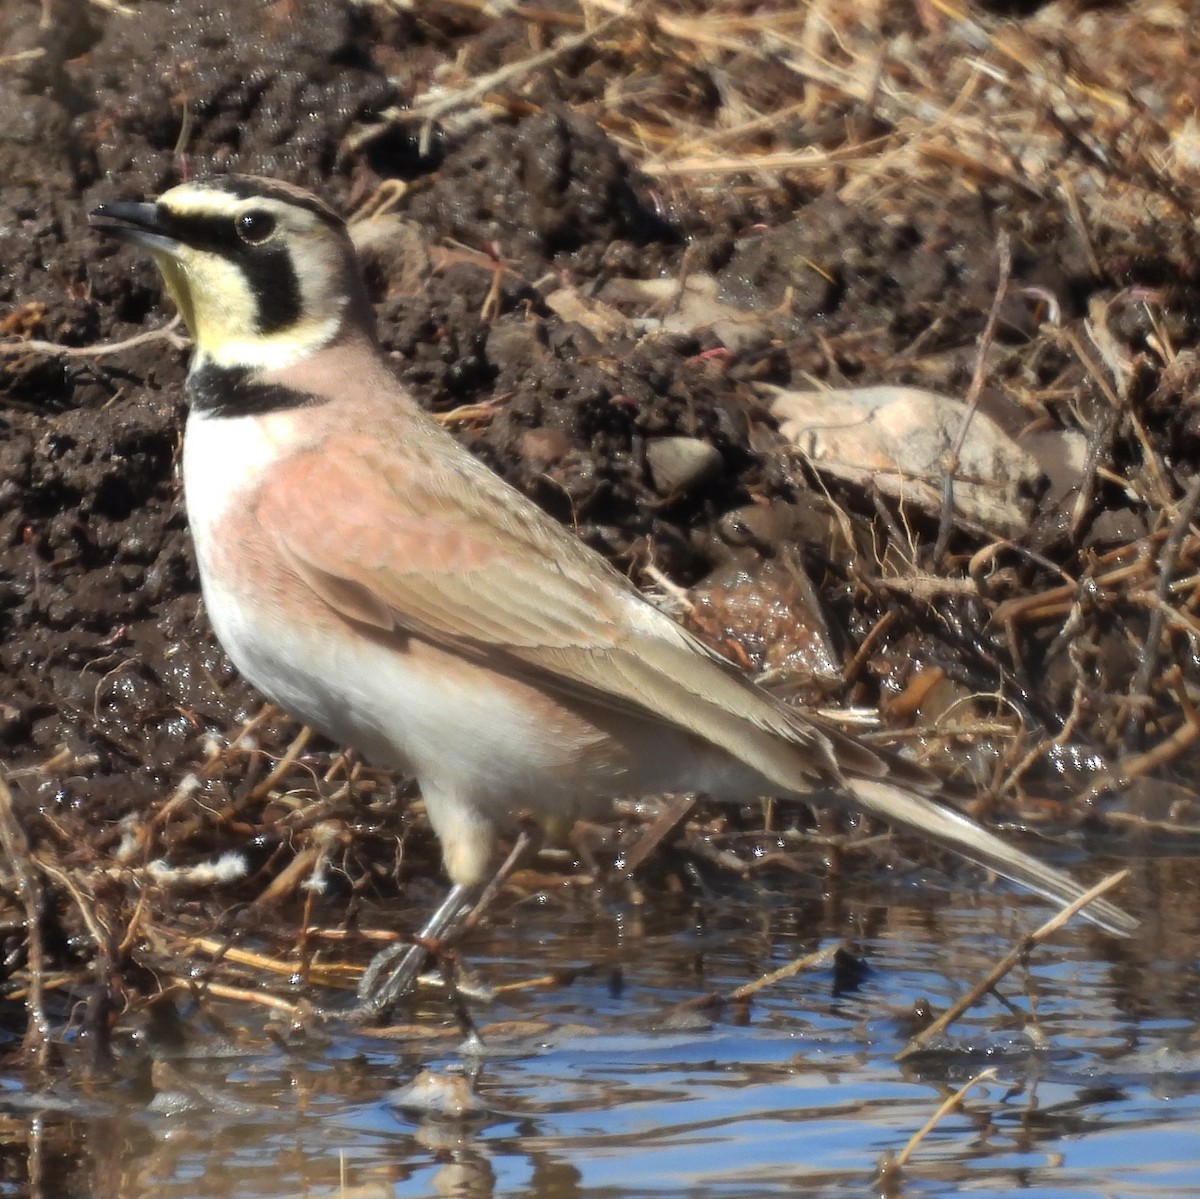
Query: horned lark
{"x": 380, "y": 584}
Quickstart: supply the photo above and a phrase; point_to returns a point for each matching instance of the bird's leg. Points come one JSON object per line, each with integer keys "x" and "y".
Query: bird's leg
{"x": 392, "y": 973}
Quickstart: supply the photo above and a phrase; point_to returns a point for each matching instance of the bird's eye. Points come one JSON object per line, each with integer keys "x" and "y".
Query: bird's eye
{"x": 255, "y": 226}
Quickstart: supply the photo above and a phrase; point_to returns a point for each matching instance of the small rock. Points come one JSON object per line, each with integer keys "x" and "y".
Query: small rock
{"x": 1116, "y": 526}
{"x": 512, "y": 343}
{"x": 542, "y": 447}
{"x": 768, "y": 527}
{"x": 397, "y": 249}
{"x": 602, "y": 320}
{"x": 437, "y": 1093}
{"x": 691, "y": 307}
{"x": 897, "y": 440}
{"x": 681, "y": 463}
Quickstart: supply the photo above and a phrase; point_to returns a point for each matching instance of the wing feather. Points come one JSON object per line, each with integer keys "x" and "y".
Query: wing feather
{"x": 453, "y": 555}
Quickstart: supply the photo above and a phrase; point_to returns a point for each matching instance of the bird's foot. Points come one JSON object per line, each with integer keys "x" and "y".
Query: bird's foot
{"x": 390, "y": 977}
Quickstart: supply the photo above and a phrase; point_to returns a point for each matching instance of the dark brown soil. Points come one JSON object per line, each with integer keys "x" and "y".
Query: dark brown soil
{"x": 112, "y": 690}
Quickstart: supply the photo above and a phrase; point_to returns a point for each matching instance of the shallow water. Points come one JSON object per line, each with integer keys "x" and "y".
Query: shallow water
{"x": 604, "y": 1087}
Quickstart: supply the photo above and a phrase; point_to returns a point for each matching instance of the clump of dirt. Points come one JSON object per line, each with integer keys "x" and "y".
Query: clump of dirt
{"x": 592, "y": 267}
{"x": 550, "y": 184}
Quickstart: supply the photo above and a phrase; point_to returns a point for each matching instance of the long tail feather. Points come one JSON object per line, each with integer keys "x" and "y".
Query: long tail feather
{"x": 955, "y": 831}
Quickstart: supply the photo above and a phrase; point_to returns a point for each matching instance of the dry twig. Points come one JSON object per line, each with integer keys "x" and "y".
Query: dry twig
{"x": 1168, "y": 561}
{"x": 890, "y": 1168}
{"x": 1013, "y": 958}
{"x": 52, "y": 349}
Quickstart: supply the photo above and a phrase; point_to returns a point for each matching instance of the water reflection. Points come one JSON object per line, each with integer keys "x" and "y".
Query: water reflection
{"x": 598, "y": 1088}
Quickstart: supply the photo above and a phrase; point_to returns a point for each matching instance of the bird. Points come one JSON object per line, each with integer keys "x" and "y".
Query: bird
{"x": 378, "y": 582}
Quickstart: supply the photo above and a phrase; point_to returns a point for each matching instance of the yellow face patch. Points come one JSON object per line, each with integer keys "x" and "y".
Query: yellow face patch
{"x": 212, "y": 294}
{"x": 252, "y": 301}
{"x": 175, "y": 278}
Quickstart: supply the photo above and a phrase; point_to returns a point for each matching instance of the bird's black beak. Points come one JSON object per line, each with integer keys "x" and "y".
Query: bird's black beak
{"x": 141, "y": 224}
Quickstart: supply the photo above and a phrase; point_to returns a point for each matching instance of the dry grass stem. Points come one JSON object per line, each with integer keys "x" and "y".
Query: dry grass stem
{"x": 241, "y": 995}
{"x": 890, "y": 1169}
{"x": 1013, "y": 958}
{"x": 52, "y": 349}
{"x": 971, "y": 403}
{"x": 821, "y": 959}
{"x": 1168, "y": 560}
{"x": 28, "y": 888}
